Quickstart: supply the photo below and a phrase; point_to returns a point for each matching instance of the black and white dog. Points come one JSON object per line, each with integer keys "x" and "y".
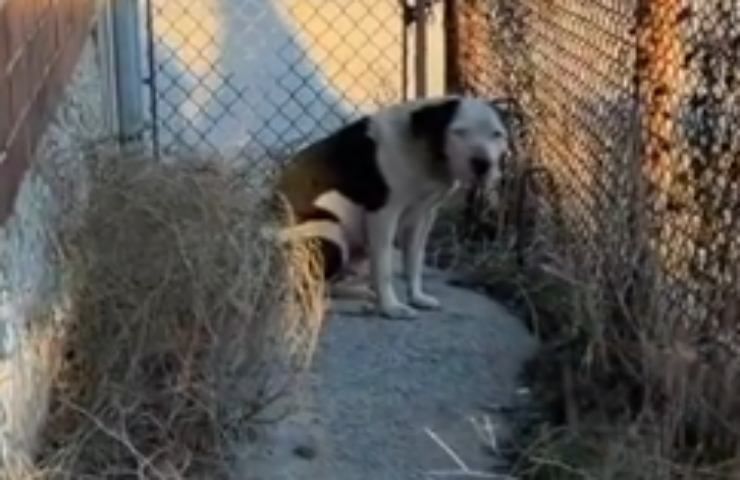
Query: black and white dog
{"x": 380, "y": 179}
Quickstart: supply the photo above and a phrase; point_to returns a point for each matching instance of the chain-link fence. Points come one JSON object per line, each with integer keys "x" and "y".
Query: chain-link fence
{"x": 261, "y": 77}
{"x": 629, "y": 104}
{"x": 632, "y": 106}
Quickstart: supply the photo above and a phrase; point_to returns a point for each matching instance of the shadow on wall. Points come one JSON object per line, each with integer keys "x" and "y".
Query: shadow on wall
{"x": 271, "y": 73}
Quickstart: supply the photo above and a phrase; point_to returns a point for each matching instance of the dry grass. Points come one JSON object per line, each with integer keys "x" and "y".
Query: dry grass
{"x": 625, "y": 392}
{"x": 631, "y": 392}
{"x": 620, "y": 408}
{"x": 188, "y": 325}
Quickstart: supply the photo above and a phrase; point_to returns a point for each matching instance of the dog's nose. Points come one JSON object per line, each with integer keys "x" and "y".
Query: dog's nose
{"x": 480, "y": 166}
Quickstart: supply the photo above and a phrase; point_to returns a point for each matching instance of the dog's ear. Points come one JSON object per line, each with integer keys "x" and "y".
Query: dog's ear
{"x": 431, "y": 121}
{"x": 508, "y": 108}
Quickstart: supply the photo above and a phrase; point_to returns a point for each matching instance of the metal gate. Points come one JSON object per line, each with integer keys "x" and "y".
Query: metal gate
{"x": 262, "y": 77}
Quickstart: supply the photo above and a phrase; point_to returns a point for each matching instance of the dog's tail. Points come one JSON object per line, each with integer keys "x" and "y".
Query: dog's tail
{"x": 329, "y": 237}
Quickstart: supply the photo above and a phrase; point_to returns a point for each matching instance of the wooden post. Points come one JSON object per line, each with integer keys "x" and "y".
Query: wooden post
{"x": 421, "y": 48}
{"x": 452, "y": 46}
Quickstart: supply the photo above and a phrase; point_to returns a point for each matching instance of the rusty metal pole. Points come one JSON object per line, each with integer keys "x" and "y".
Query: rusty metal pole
{"x": 405, "y": 20}
{"x": 421, "y": 48}
{"x": 659, "y": 79}
{"x": 452, "y": 46}
{"x": 659, "y": 69}
{"x": 404, "y": 61}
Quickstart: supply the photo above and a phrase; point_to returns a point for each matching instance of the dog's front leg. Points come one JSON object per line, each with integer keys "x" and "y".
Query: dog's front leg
{"x": 421, "y": 220}
{"x": 382, "y": 226}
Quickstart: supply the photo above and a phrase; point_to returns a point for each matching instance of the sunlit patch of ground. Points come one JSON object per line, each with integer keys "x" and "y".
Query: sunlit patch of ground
{"x": 356, "y": 45}
{"x": 193, "y": 33}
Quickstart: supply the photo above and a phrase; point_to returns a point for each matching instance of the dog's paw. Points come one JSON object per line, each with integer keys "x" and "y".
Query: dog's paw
{"x": 352, "y": 292}
{"x": 398, "y": 311}
{"x": 424, "y": 301}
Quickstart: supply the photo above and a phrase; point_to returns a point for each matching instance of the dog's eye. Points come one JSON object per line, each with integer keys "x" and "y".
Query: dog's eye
{"x": 459, "y": 131}
{"x": 497, "y": 134}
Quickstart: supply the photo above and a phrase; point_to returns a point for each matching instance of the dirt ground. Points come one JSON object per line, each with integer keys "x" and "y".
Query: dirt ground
{"x": 380, "y": 390}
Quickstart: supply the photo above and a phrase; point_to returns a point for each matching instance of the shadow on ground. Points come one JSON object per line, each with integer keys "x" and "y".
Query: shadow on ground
{"x": 377, "y": 385}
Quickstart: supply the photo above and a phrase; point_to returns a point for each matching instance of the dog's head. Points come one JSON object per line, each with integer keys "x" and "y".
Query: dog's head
{"x": 467, "y": 134}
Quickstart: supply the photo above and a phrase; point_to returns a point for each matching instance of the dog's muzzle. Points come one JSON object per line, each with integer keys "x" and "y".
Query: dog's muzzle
{"x": 480, "y": 167}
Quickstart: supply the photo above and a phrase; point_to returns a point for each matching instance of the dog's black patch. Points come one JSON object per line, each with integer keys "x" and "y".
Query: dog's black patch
{"x": 345, "y": 161}
{"x": 430, "y": 123}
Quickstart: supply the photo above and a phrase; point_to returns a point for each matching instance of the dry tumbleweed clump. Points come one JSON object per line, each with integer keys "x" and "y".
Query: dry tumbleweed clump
{"x": 187, "y": 324}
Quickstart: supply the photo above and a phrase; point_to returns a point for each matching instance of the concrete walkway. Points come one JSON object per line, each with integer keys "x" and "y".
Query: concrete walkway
{"x": 380, "y": 390}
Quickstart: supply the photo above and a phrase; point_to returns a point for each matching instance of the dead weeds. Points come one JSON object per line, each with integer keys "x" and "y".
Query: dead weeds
{"x": 187, "y": 324}
{"x": 620, "y": 393}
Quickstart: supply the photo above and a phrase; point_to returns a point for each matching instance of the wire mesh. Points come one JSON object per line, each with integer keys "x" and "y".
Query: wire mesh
{"x": 632, "y": 106}
{"x": 261, "y": 77}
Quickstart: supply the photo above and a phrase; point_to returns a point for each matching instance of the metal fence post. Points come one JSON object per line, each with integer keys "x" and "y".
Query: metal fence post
{"x": 421, "y": 48}
{"x": 415, "y": 15}
{"x": 128, "y": 70}
{"x": 452, "y": 46}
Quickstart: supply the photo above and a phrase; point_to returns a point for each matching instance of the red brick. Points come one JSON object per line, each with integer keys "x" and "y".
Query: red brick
{"x": 39, "y": 115}
{"x": 37, "y": 52}
{"x": 60, "y": 12}
{"x": 44, "y": 9}
{"x": 33, "y": 72}
{"x": 35, "y": 121}
{"x": 53, "y": 20}
{"x": 65, "y": 64}
{"x": 44, "y": 42}
{"x": 51, "y": 16}
{"x": 17, "y": 147}
{"x": 67, "y": 10}
{"x": 44, "y": 6}
{"x": 70, "y": 54}
{"x": 7, "y": 192}
{"x": 54, "y": 81}
{"x": 49, "y": 44}
{"x": 17, "y": 19}
{"x": 4, "y": 38}
{"x": 19, "y": 88}
{"x": 30, "y": 8}
{"x": 85, "y": 9}
{"x": 12, "y": 170}
{"x": 4, "y": 110}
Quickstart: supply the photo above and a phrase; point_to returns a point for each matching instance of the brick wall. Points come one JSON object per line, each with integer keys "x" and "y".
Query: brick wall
{"x": 40, "y": 42}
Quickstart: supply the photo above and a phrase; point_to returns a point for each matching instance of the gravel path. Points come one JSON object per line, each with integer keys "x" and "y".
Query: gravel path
{"x": 377, "y": 386}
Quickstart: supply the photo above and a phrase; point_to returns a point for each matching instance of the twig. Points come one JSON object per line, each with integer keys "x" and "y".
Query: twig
{"x": 458, "y": 474}
{"x": 447, "y": 449}
{"x": 117, "y": 436}
{"x": 464, "y": 471}
{"x": 486, "y": 430}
